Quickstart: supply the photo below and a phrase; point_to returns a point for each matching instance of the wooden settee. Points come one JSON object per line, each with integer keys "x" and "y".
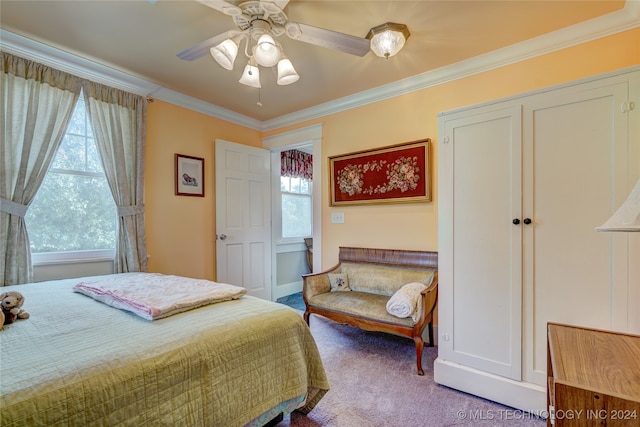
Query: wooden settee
{"x": 374, "y": 275}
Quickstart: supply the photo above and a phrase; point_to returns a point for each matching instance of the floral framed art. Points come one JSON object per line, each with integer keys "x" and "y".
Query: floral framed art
{"x": 394, "y": 174}
{"x": 189, "y": 175}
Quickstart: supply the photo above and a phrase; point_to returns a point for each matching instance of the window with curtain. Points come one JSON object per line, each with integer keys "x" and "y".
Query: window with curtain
{"x": 73, "y": 214}
{"x": 295, "y": 185}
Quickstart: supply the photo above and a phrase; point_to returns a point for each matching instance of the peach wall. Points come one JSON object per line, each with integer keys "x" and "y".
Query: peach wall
{"x": 414, "y": 116}
{"x": 180, "y": 229}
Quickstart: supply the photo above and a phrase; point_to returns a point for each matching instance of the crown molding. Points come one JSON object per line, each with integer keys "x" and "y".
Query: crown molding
{"x": 624, "y": 19}
{"x": 621, "y": 20}
{"x": 91, "y": 70}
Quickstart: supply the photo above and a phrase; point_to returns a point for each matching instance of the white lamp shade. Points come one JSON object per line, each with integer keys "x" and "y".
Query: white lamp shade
{"x": 286, "y": 73}
{"x": 225, "y": 53}
{"x": 251, "y": 76}
{"x": 267, "y": 53}
{"x": 627, "y": 217}
{"x": 387, "y": 43}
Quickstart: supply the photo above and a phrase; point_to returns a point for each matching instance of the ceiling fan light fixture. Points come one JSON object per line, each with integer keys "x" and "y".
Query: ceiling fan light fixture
{"x": 267, "y": 53}
{"x": 225, "y": 53}
{"x": 286, "y": 73}
{"x": 387, "y": 39}
{"x": 251, "y": 75}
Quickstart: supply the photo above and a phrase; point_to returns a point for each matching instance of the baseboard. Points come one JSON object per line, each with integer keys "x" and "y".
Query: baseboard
{"x": 527, "y": 397}
{"x": 286, "y": 289}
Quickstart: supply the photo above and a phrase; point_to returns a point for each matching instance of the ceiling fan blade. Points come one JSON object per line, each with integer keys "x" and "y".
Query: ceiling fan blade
{"x": 222, "y": 6}
{"x": 353, "y": 45}
{"x": 280, "y": 3}
{"x": 202, "y": 48}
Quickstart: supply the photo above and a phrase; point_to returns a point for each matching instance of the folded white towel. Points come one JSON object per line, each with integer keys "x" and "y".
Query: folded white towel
{"x": 406, "y": 302}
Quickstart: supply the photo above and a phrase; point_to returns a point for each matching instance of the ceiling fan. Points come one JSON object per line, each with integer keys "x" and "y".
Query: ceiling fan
{"x": 255, "y": 18}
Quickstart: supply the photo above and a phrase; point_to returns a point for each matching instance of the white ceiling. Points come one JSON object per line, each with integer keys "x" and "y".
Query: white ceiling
{"x": 142, "y": 38}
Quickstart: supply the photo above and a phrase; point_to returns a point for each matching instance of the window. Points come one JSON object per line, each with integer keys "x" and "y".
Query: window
{"x": 296, "y": 207}
{"x": 73, "y": 215}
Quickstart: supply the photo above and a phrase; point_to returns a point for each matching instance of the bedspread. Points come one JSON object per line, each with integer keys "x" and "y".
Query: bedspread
{"x": 76, "y": 361}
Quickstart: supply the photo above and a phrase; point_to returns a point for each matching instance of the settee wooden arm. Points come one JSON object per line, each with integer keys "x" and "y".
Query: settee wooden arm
{"x": 317, "y": 283}
{"x": 429, "y": 298}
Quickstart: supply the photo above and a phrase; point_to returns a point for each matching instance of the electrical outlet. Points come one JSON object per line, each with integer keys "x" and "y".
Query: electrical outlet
{"x": 337, "y": 218}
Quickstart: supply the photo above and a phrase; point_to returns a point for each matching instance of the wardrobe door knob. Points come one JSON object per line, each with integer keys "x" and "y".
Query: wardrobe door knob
{"x": 527, "y": 221}
{"x": 516, "y": 221}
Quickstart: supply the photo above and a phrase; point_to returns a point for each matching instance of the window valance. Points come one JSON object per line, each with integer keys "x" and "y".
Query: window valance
{"x": 296, "y": 164}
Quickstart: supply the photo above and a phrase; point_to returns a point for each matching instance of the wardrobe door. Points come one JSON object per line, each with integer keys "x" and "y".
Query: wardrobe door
{"x": 576, "y": 154}
{"x": 480, "y": 258}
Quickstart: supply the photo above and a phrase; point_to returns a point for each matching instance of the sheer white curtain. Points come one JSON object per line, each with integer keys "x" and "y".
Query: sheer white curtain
{"x": 36, "y": 107}
{"x": 118, "y": 120}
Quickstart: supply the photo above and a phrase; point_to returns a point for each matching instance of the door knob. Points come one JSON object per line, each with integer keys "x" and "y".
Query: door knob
{"x": 527, "y": 221}
{"x": 516, "y": 221}
{"x": 223, "y": 237}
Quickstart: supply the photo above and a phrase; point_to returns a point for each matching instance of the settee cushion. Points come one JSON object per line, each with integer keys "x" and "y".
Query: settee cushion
{"x": 366, "y": 304}
{"x": 339, "y": 282}
{"x": 382, "y": 279}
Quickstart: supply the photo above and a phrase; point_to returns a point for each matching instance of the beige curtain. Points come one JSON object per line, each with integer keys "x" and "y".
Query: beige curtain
{"x": 118, "y": 120}
{"x": 37, "y": 105}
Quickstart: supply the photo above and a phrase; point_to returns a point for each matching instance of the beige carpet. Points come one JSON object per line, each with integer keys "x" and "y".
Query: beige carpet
{"x": 374, "y": 384}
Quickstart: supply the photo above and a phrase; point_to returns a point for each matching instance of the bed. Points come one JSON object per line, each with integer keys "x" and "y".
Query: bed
{"x": 77, "y": 361}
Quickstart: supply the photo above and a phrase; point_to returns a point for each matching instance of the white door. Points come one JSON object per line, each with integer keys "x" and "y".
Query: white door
{"x": 480, "y": 238}
{"x": 577, "y": 161}
{"x": 243, "y": 217}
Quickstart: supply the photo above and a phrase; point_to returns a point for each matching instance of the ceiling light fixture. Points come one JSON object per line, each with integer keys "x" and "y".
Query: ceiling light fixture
{"x": 251, "y": 74}
{"x": 387, "y": 39}
{"x": 225, "y": 53}
{"x": 266, "y": 52}
{"x": 286, "y": 73}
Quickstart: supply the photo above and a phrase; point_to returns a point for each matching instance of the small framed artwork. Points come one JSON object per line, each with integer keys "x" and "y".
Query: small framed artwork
{"x": 189, "y": 176}
{"x": 394, "y": 174}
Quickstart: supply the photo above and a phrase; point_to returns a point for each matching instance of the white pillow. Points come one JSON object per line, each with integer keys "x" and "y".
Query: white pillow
{"x": 406, "y": 302}
{"x": 339, "y": 282}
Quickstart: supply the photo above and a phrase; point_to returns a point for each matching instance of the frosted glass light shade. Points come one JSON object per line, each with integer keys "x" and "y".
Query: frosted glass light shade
{"x": 225, "y": 53}
{"x": 251, "y": 76}
{"x": 267, "y": 53}
{"x": 286, "y": 73}
{"x": 627, "y": 217}
{"x": 386, "y": 40}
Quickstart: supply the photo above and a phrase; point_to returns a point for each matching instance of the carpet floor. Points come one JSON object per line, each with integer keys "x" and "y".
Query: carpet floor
{"x": 374, "y": 383}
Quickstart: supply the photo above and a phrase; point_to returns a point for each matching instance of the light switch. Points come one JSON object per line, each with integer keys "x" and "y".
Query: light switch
{"x": 337, "y": 218}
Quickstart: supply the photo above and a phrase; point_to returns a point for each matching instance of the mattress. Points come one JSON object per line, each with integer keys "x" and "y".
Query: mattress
{"x": 77, "y": 361}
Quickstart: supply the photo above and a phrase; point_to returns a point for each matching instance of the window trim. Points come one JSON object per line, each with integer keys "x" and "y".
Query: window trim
{"x": 42, "y": 258}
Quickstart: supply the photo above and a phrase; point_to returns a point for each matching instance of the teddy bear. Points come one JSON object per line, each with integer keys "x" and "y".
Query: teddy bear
{"x": 11, "y": 303}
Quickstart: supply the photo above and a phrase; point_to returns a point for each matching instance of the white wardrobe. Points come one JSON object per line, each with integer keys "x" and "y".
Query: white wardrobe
{"x": 522, "y": 184}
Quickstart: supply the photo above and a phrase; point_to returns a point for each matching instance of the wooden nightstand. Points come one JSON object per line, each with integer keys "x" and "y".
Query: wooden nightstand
{"x": 593, "y": 377}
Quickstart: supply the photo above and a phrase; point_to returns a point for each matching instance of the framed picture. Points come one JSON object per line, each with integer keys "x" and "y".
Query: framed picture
{"x": 394, "y": 174}
{"x": 189, "y": 176}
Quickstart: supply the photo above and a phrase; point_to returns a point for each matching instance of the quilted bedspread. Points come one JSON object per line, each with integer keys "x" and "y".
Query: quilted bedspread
{"x": 77, "y": 361}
